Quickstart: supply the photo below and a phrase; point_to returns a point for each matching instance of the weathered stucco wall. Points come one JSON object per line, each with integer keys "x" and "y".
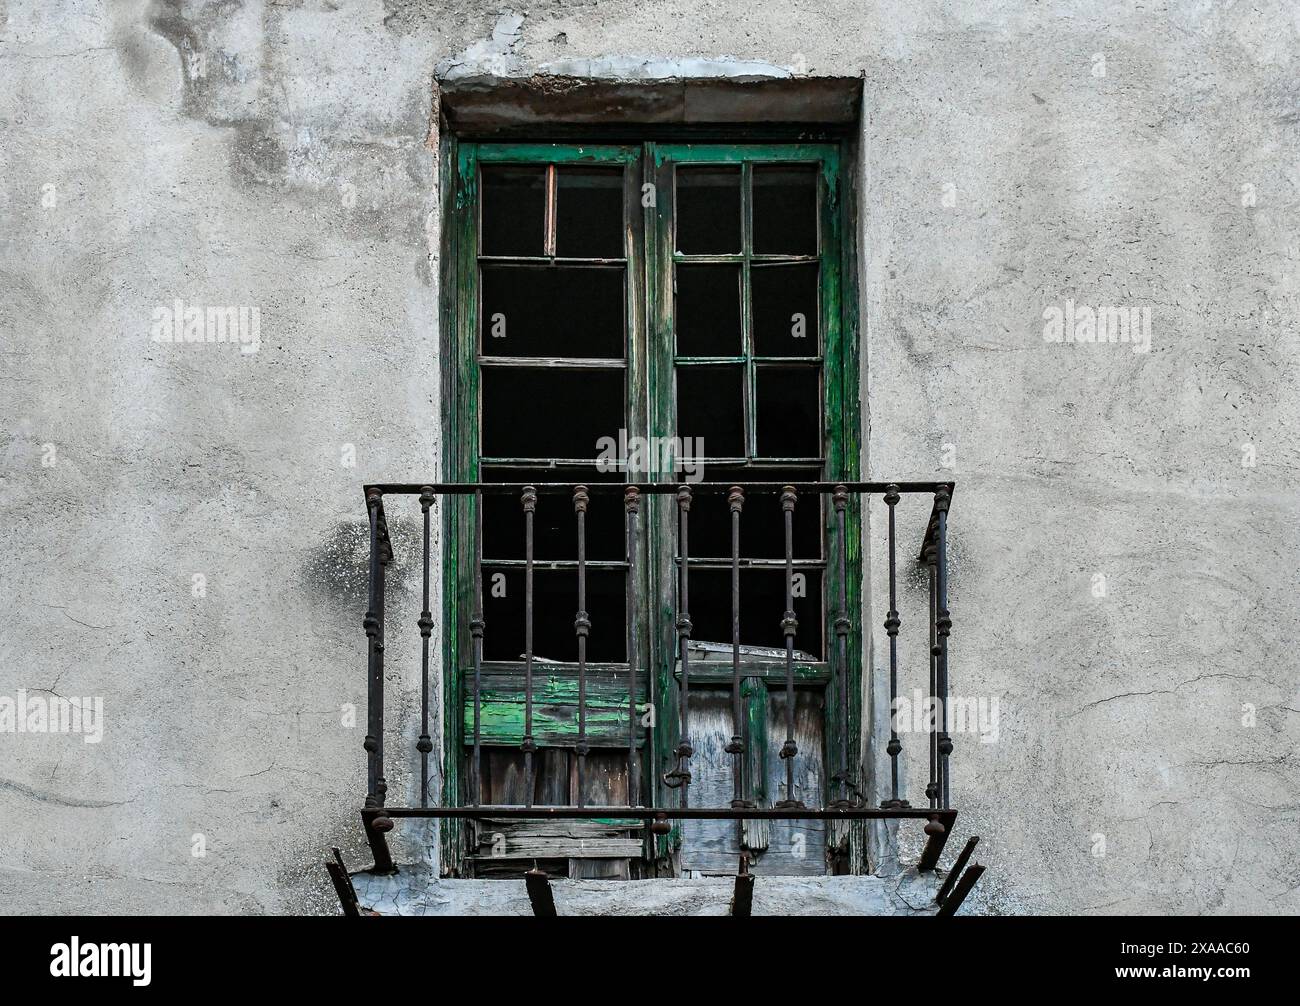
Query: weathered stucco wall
{"x": 277, "y": 156}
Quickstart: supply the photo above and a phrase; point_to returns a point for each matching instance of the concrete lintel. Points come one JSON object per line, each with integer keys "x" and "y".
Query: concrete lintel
{"x": 488, "y": 101}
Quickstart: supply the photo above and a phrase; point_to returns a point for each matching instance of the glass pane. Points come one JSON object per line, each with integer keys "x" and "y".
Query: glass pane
{"x": 762, "y": 606}
{"x": 789, "y": 412}
{"x": 589, "y": 212}
{"x": 706, "y": 310}
{"x": 549, "y": 413}
{"x": 711, "y": 411}
{"x": 708, "y": 210}
{"x": 555, "y": 602}
{"x": 762, "y": 521}
{"x": 541, "y": 310}
{"x": 555, "y": 528}
{"x": 785, "y": 312}
{"x": 785, "y": 209}
{"x": 514, "y": 209}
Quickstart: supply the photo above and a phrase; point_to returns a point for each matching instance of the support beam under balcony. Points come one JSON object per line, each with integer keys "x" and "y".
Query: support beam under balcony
{"x": 539, "y": 894}
{"x": 963, "y": 888}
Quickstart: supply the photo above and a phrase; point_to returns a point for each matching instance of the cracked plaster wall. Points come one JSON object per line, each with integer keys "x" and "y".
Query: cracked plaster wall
{"x": 279, "y": 154}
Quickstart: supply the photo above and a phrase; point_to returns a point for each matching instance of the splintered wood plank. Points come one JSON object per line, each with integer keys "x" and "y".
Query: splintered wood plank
{"x": 712, "y": 846}
{"x": 555, "y": 706}
{"x": 796, "y": 848}
{"x": 599, "y": 869}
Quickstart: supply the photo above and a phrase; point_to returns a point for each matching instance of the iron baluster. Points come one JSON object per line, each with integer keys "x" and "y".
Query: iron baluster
{"x": 374, "y": 656}
{"x": 789, "y": 626}
{"x": 736, "y": 503}
{"x": 680, "y": 776}
{"x": 932, "y": 787}
{"x": 424, "y": 745}
{"x": 582, "y": 626}
{"x": 528, "y": 499}
{"x": 840, "y": 498}
{"x": 942, "y": 626}
{"x": 891, "y": 628}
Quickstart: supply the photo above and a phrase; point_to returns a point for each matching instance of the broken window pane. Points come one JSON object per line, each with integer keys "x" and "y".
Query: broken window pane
{"x": 708, "y": 210}
{"x": 514, "y": 209}
{"x": 785, "y": 311}
{"x": 710, "y": 410}
{"x": 789, "y": 423}
{"x": 589, "y": 212}
{"x": 762, "y": 605}
{"x": 555, "y": 601}
{"x": 549, "y": 412}
{"x": 706, "y": 310}
{"x": 785, "y": 209}
{"x": 545, "y": 310}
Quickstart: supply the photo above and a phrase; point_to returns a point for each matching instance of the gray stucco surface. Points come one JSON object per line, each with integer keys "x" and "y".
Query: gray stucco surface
{"x": 283, "y": 156}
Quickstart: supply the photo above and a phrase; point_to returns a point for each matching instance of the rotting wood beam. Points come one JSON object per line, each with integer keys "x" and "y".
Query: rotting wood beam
{"x": 957, "y": 867}
{"x": 539, "y": 894}
{"x": 954, "y": 900}
{"x": 742, "y": 900}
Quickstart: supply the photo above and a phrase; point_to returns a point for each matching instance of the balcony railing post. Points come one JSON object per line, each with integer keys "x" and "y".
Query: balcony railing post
{"x": 789, "y": 626}
{"x": 528, "y": 500}
{"x": 932, "y": 787}
{"x": 632, "y": 506}
{"x": 380, "y": 554}
{"x": 582, "y": 626}
{"x": 892, "y": 624}
{"x": 736, "y": 503}
{"x": 942, "y": 626}
{"x": 840, "y": 499}
{"x": 425, "y": 744}
{"x": 680, "y": 776}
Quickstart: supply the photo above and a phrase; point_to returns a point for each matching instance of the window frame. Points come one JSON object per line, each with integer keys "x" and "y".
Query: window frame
{"x": 649, "y": 368}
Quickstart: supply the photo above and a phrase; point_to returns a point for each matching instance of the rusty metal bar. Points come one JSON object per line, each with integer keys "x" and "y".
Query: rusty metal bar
{"x": 840, "y": 499}
{"x": 347, "y": 894}
{"x": 937, "y": 829}
{"x": 892, "y": 623}
{"x": 736, "y": 502}
{"x": 680, "y": 777}
{"x": 528, "y": 499}
{"x": 942, "y": 626}
{"x": 425, "y": 744}
{"x": 654, "y": 814}
{"x": 632, "y": 506}
{"x": 742, "y": 899}
{"x": 374, "y": 654}
{"x": 964, "y": 886}
{"x": 789, "y": 626}
{"x": 582, "y": 626}
{"x": 539, "y": 894}
{"x": 932, "y": 727}
{"x": 957, "y": 867}
{"x": 654, "y": 488}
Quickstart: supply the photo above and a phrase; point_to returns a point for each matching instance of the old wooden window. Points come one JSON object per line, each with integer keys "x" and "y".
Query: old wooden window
{"x": 670, "y": 298}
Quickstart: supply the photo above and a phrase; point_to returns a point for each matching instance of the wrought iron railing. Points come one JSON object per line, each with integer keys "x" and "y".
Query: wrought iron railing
{"x": 847, "y": 804}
